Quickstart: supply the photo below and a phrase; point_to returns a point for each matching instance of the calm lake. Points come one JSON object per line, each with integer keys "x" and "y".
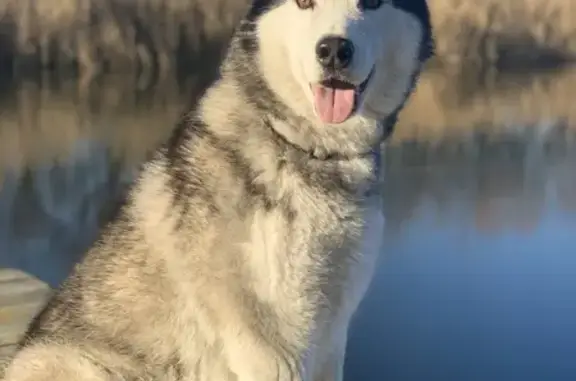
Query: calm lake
{"x": 478, "y": 278}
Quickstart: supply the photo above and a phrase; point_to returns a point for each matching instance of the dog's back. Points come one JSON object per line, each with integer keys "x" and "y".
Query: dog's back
{"x": 249, "y": 239}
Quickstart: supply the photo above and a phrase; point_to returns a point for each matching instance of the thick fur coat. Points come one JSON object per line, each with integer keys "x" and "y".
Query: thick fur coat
{"x": 249, "y": 239}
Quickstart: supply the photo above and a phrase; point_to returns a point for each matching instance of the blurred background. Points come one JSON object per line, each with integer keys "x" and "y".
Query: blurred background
{"x": 478, "y": 278}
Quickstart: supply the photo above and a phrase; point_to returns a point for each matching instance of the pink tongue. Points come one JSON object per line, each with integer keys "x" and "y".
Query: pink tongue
{"x": 333, "y": 105}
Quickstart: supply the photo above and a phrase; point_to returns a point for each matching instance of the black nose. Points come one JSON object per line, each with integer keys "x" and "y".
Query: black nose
{"x": 334, "y": 52}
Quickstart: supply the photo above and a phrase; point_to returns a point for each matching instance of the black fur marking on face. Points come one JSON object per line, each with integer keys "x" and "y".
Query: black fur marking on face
{"x": 260, "y": 7}
{"x": 370, "y": 4}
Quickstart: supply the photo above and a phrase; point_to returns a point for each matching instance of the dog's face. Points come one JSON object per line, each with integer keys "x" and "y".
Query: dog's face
{"x": 348, "y": 57}
{"x": 340, "y": 65}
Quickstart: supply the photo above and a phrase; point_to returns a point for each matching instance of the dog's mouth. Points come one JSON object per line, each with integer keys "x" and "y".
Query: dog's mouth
{"x": 335, "y": 100}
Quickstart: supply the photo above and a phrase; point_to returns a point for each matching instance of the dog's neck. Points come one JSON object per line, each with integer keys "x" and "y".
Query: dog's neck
{"x": 288, "y": 132}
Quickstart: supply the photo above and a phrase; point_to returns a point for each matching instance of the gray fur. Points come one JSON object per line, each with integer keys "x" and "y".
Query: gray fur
{"x": 240, "y": 253}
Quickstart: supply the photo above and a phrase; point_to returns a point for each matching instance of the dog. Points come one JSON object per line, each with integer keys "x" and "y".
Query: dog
{"x": 249, "y": 238}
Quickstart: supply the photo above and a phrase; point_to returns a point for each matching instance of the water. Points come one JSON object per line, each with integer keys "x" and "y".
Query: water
{"x": 478, "y": 281}
{"x": 478, "y": 277}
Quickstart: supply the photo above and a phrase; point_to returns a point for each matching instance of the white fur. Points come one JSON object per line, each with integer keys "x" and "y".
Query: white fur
{"x": 326, "y": 359}
{"x": 387, "y": 38}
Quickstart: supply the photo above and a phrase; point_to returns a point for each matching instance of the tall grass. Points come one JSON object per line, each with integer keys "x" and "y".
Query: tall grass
{"x": 113, "y": 35}
{"x": 155, "y": 36}
{"x": 499, "y": 32}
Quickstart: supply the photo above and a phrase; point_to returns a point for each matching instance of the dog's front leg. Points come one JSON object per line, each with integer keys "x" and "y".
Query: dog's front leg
{"x": 253, "y": 357}
{"x": 251, "y": 344}
{"x": 330, "y": 363}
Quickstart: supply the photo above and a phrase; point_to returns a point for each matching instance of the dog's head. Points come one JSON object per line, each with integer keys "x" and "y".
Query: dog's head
{"x": 338, "y": 64}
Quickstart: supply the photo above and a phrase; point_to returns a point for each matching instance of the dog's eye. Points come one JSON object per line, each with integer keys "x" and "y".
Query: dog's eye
{"x": 369, "y": 4}
{"x": 305, "y": 4}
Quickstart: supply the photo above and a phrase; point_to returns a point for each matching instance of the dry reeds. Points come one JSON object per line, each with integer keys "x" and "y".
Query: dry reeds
{"x": 497, "y": 32}
{"x": 154, "y": 36}
{"x": 113, "y": 35}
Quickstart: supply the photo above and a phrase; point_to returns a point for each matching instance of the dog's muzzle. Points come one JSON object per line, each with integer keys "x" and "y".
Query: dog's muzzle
{"x": 334, "y": 53}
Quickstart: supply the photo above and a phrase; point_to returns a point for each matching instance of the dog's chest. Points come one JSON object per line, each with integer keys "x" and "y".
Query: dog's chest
{"x": 290, "y": 244}
{"x": 301, "y": 260}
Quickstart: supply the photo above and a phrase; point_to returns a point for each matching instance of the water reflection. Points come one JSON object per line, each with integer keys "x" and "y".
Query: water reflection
{"x": 498, "y": 181}
{"x": 477, "y": 280}
{"x": 478, "y": 277}
{"x": 50, "y": 213}
{"x": 66, "y": 154}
